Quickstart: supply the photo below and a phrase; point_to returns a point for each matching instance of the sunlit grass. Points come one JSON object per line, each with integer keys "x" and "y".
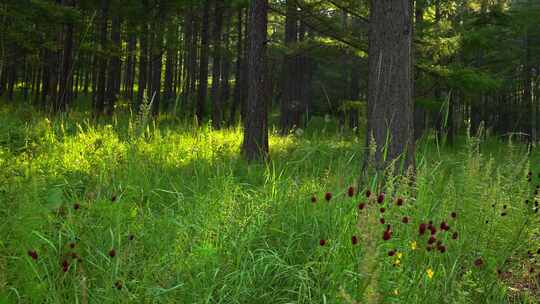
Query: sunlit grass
{"x": 190, "y": 222}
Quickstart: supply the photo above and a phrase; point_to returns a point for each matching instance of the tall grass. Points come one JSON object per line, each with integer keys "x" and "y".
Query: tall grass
{"x": 172, "y": 214}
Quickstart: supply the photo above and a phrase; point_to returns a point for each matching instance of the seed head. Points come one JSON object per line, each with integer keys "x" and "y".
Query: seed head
{"x": 422, "y": 229}
{"x": 405, "y": 220}
{"x": 350, "y": 191}
{"x": 368, "y": 193}
{"x": 33, "y": 254}
{"x": 322, "y": 242}
{"x": 399, "y": 202}
{"x": 382, "y": 210}
{"x": 112, "y": 253}
{"x": 380, "y": 198}
{"x": 387, "y": 234}
{"x": 455, "y": 235}
{"x": 65, "y": 265}
{"x": 328, "y": 196}
{"x": 354, "y": 240}
{"x": 361, "y": 206}
{"x": 478, "y": 262}
{"x": 453, "y": 214}
{"x": 76, "y": 206}
{"x": 313, "y": 199}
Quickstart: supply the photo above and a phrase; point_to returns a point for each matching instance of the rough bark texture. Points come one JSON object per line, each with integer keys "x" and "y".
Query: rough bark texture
{"x": 255, "y": 145}
{"x": 238, "y": 72}
{"x": 390, "y": 105}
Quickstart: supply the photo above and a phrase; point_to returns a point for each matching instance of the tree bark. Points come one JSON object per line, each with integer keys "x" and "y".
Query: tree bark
{"x": 99, "y": 107}
{"x": 217, "y": 111}
{"x": 255, "y": 145}
{"x": 203, "y": 68}
{"x": 390, "y": 104}
{"x": 115, "y": 71}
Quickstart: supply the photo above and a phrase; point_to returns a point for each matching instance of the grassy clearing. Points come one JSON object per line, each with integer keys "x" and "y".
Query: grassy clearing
{"x": 167, "y": 213}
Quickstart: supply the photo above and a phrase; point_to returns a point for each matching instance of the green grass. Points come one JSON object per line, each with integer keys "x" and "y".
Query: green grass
{"x": 209, "y": 228}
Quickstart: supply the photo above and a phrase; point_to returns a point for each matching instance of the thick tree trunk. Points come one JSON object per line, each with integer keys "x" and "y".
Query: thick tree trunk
{"x": 203, "y": 68}
{"x": 217, "y": 107}
{"x": 390, "y": 105}
{"x": 255, "y": 145}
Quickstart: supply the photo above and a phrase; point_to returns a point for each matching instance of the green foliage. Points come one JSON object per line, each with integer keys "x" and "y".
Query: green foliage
{"x": 207, "y": 227}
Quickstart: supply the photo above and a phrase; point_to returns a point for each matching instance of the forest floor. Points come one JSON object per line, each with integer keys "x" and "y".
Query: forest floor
{"x": 135, "y": 211}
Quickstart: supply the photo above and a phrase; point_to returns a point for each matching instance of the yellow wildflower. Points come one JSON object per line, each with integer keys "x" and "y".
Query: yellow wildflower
{"x": 399, "y": 255}
{"x": 413, "y": 245}
{"x": 430, "y": 273}
{"x": 396, "y": 292}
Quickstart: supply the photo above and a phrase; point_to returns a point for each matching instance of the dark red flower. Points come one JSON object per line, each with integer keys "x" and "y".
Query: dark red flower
{"x": 432, "y": 229}
{"x": 382, "y": 210}
{"x": 382, "y": 220}
{"x": 361, "y": 206}
{"x": 422, "y": 229}
{"x": 112, "y": 253}
{"x": 328, "y": 196}
{"x": 71, "y": 245}
{"x": 444, "y": 226}
{"x": 530, "y": 173}
{"x": 350, "y": 191}
{"x": 322, "y": 242}
{"x": 405, "y": 220}
{"x": 387, "y": 234}
{"x": 380, "y": 198}
{"x": 118, "y": 285}
{"x": 478, "y": 262}
{"x": 432, "y": 240}
{"x": 113, "y": 198}
{"x": 76, "y": 206}
{"x": 354, "y": 240}
{"x": 400, "y": 201}
{"x": 453, "y": 214}
{"x": 33, "y": 254}
{"x": 368, "y": 193}
{"x": 392, "y": 252}
{"x": 455, "y": 235}
{"x": 65, "y": 265}
{"x": 313, "y": 199}
{"x": 441, "y": 248}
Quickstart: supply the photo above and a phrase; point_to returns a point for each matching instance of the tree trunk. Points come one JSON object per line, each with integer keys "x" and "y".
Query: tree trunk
{"x": 168, "y": 90}
{"x": 203, "y": 68}
{"x": 255, "y": 145}
{"x": 237, "y": 95}
{"x": 390, "y": 105}
{"x": 113, "y": 87}
{"x": 130, "y": 63}
{"x": 290, "y": 103}
{"x": 65, "y": 93}
{"x": 217, "y": 107}
{"x": 102, "y": 65}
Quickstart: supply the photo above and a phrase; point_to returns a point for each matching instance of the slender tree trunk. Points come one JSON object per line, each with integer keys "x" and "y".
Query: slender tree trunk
{"x": 390, "y": 104}
{"x": 115, "y": 74}
{"x": 65, "y": 93}
{"x": 169, "y": 66}
{"x": 102, "y": 64}
{"x": 237, "y": 95}
{"x": 225, "y": 89}
{"x": 217, "y": 107}
{"x": 255, "y": 145}
{"x": 157, "y": 62}
{"x": 130, "y": 63}
{"x": 203, "y": 68}
{"x": 290, "y": 103}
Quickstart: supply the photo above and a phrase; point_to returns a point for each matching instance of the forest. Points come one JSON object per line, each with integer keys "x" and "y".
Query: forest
{"x": 269, "y": 151}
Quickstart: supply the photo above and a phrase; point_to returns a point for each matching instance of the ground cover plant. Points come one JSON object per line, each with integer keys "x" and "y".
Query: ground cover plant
{"x": 97, "y": 213}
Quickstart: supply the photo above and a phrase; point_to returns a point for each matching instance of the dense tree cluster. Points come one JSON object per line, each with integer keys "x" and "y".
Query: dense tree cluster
{"x": 469, "y": 62}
